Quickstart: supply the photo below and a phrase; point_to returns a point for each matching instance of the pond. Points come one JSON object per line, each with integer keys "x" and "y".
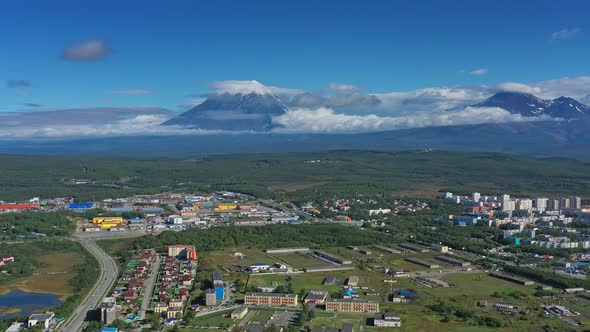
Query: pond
{"x": 27, "y": 302}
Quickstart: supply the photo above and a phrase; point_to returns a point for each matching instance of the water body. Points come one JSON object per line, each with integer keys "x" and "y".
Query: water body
{"x": 27, "y": 302}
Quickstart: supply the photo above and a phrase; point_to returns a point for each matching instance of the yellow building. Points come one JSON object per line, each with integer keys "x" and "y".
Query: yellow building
{"x": 175, "y": 303}
{"x": 239, "y": 313}
{"x": 160, "y": 307}
{"x": 222, "y": 207}
{"x": 173, "y": 312}
{"x": 112, "y": 220}
{"x": 107, "y": 225}
{"x": 187, "y": 214}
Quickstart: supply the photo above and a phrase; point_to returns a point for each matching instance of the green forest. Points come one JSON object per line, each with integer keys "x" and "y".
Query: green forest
{"x": 293, "y": 175}
{"x": 14, "y": 225}
{"x": 216, "y": 238}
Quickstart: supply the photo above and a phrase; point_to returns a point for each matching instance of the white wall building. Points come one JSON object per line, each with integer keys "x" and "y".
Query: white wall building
{"x": 387, "y": 319}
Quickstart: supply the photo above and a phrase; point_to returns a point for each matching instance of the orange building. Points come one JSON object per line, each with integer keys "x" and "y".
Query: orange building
{"x": 181, "y": 251}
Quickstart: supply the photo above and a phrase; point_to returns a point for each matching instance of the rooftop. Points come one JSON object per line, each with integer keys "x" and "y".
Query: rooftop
{"x": 391, "y": 316}
{"x": 353, "y": 300}
{"x": 272, "y": 294}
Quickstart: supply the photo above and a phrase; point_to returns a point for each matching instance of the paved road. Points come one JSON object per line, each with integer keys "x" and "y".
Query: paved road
{"x": 148, "y": 288}
{"x": 108, "y": 276}
{"x": 105, "y": 235}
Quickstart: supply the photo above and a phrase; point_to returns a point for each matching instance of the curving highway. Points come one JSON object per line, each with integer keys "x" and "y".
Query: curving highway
{"x": 108, "y": 276}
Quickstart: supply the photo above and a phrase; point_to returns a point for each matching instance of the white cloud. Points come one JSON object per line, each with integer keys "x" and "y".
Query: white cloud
{"x": 430, "y": 99}
{"x": 565, "y": 33}
{"x": 342, "y": 87}
{"x": 86, "y": 51}
{"x": 324, "y": 120}
{"x": 133, "y": 92}
{"x": 480, "y": 71}
{"x": 246, "y": 87}
{"x": 575, "y": 87}
{"x": 517, "y": 87}
{"x": 82, "y": 123}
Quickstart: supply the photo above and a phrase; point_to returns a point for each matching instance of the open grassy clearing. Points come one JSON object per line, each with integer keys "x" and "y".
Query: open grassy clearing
{"x": 300, "y": 260}
{"x": 52, "y": 277}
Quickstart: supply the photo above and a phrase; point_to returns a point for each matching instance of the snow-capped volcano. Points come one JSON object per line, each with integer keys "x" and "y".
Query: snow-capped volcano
{"x": 529, "y": 105}
{"x": 242, "y": 88}
{"x": 248, "y": 109}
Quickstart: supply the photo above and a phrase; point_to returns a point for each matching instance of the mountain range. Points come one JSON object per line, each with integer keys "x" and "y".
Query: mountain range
{"x": 254, "y": 112}
{"x": 531, "y": 106}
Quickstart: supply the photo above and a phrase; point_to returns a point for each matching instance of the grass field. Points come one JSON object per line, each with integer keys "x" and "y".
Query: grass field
{"x": 300, "y": 260}
{"x": 53, "y": 277}
{"x": 468, "y": 289}
{"x": 217, "y": 260}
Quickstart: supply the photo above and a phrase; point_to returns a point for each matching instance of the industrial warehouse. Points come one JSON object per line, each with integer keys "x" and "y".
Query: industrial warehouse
{"x": 422, "y": 263}
{"x": 452, "y": 261}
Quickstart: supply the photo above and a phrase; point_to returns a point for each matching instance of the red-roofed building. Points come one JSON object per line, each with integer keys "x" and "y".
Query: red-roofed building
{"x": 129, "y": 296}
{"x": 7, "y": 259}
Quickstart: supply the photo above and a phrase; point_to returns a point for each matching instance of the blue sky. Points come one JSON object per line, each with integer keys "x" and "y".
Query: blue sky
{"x": 173, "y": 48}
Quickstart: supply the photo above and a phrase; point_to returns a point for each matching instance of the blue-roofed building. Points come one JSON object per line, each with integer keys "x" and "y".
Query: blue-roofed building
{"x": 121, "y": 209}
{"x": 350, "y": 292}
{"x": 135, "y": 220}
{"x": 80, "y": 206}
{"x": 152, "y": 210}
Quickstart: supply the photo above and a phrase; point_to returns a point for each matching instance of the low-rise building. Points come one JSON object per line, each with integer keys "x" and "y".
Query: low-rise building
{"x": 239, "y": 313}
{"x": 332, "y": 258}
{"x": 316, "y": 297}
{"x": 422, "y": 263}
{"x": 257, "y": 267}
{"x": 352, "y": 281}
{"x": 271, "y": 299}
{"x": 512, "y": 278}
{"x": 15, "y": 327}
{"x": 173, "y": 312}
{"x": 440, "y": 248}
{"x": 160, "y": 307}
{"x": 44, "y": 319}
{"x": 453, "y": 261}
{"x": 352, "y": 305}
{"x": 387, "y": 319}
